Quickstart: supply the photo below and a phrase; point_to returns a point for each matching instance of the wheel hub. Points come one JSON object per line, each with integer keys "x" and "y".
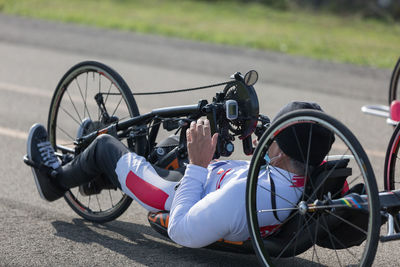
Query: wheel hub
{"x": 303, "y": 208}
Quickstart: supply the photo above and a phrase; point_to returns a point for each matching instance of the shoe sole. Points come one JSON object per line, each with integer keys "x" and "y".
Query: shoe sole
{"x": 29, "y": 142}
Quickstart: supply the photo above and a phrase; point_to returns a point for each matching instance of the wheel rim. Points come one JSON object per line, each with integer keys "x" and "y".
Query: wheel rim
{"x": 74, "y": 102}
{"x": 392, "y": 160}
{"x": 294, "y": 250}
{"x": 392, "y": 168}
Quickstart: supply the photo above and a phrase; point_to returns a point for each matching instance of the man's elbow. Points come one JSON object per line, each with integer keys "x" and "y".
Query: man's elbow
{"x": 178, "y": 237}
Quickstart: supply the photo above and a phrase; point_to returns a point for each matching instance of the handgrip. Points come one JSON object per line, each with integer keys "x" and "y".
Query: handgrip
{"x": 248, "y": 145}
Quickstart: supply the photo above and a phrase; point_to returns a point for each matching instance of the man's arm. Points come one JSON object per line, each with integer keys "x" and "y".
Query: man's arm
{"x": 196, "y": 222}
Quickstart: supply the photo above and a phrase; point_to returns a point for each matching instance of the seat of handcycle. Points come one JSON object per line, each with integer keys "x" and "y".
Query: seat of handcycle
{"x": 328, "y": 178}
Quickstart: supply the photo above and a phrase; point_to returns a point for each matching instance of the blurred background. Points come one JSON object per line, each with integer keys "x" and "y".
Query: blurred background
{"x": 362, "y": 32}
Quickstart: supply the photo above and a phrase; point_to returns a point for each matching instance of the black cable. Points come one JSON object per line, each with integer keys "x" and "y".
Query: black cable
{"x": 177, "y": 91}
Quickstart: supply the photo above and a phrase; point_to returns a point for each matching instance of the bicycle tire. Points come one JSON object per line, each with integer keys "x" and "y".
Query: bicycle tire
{"x": 69, "y": 106}
{"x": 394, "y": 83}
{"x": 362, "y": 255}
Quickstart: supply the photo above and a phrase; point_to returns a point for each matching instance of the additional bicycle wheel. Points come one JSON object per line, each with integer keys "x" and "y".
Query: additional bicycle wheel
{"x": 392, "y": 168}
{"x": 394, "y": 83}
{"x": 89, "y": 97}
{"x": 312, "y": 230}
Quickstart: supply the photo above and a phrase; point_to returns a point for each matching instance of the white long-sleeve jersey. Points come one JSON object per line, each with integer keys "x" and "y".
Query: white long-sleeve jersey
{"x": 209, "y": 204}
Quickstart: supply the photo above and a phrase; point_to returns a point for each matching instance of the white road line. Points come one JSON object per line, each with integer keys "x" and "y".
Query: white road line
{"x": 24, "y": 90}
{"x": 13, "y": 133}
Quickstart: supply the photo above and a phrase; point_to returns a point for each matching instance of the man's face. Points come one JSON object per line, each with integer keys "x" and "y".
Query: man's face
{"x": 274, "y": 153}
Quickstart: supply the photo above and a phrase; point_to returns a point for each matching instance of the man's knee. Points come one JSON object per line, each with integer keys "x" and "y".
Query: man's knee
{"x": 108, "y": 146}
{"x": 105, "y": 139}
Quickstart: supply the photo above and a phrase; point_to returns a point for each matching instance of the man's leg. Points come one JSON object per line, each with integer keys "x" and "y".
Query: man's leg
{"x": 151, "y": 186}
{"x": 99, "y": 159}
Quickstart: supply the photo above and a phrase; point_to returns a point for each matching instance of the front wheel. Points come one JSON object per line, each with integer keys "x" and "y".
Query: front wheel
{"x": 310, "y": 231}
{"x": 90, "y": 96}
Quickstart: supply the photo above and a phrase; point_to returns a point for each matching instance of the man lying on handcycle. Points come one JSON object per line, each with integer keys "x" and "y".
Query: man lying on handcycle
{"x": 208, "y": 203}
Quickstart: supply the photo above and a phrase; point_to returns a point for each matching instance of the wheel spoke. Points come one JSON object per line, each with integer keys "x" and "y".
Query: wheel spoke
{"x": 272, "y": 210}
{"x": 85, "y": 107}
{"x": 117, "y": 106}
{"x": 340, "y": 243}
{"x": 98, "y": 202}
{"x": 306, "y": 161}
{"x": 277, "y": 195}
{"x": 88, "y": 205}
{"x": 300, "y": 231}
{"x": 73, "y": 104}
{"x": 286, "y": 177}
{"x": 331, "y": 240}
{"x": 347, "y": 222}
{"x": 298, "y": 227}
{"x": 69, "y": 114}
{"x": 108, "y": 93}
{"x": 65, "y": 132}
{"x": 77, "y": 195}
{"x": 315, "y": 190}
{"x": 109, "y": 192}
{"x": 349, "y": 184}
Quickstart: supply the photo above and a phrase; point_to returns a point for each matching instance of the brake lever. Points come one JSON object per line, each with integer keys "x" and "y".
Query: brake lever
{"x": 263, "y": 126}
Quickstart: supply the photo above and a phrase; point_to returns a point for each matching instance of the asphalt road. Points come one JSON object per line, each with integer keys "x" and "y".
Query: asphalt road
{"x": 33, "y": 57}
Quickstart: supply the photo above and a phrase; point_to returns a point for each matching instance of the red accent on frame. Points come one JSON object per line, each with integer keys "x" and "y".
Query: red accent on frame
{"x": 345, "y": 188}
{"x": 268, "y": 229}
{"x": 146, "y": 192}
{"x": 395, "y": 110}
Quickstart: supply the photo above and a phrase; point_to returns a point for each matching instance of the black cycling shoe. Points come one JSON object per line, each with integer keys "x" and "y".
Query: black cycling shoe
{"x": 46, "y": 163}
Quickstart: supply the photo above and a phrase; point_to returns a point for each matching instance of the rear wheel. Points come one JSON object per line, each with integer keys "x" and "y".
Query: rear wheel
{"x": 323, "y": 236}
{"x": 89, "y": 97}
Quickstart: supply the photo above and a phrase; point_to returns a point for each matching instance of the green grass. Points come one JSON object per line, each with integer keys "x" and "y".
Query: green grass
{"x": 320, "y": 36}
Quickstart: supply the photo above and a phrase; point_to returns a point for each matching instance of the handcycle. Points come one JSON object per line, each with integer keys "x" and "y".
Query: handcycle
{"x": 340, "y": 196}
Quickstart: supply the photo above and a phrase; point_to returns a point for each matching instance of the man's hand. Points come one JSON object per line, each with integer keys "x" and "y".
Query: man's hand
{"x": 201, "y": 146}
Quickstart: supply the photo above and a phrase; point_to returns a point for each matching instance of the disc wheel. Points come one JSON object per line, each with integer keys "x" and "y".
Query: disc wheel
{"x": 73, "y": 104}
{"x": 304, "y": 236}
{"x": 392, "y": 169}
{"x": 394, "y": 83}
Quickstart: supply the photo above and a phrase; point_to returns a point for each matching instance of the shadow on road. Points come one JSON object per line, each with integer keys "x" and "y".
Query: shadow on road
{"x": 142, "y": 244}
